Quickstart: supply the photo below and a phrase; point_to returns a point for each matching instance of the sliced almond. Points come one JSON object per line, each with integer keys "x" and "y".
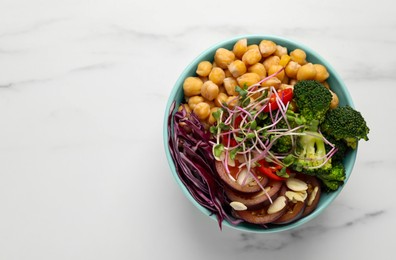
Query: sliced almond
{"x": 312, "y": 196}
{"x": 278, "y": 204}
{"x": 238, "y": 206}
{"x": 296, "y": 196}
{"x": 244, "y": 177}
{"x": 296, "y": 185}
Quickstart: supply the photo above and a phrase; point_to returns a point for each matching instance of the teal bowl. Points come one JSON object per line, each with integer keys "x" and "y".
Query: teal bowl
{"x": 337, "y": 86}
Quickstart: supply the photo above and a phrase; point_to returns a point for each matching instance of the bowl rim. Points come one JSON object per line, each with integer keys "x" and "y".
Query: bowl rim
{"x": 279, "y": 40}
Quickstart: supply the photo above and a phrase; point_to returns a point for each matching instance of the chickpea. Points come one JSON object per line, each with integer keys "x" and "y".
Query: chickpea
{"x": 334, "y": 101}
{"x": 240, "y": 47}
{"x": 321, "y": 72}
{"x": 298, "y": 56}
{"x": 232, "y": 101}
{"x": 251, "y": 57}
{"x": 306, "y": 71}
{"x": 209, "y": 90}
{"x": 237, "y": 68}
{"x": 280, "y": 51}
{"x": 211, "y": 119}
{"x": 192, "y": 86}
{"x": 253, "y": 47}
{"x": 229, "y": 85}
{"x": 204, "y": 68}
{"x": 220, "y": 99}
{"x": 193, "y": 101}
{"x": 272, "y": 82}
{"x": 267, "y": 48}
{"x": 271, "y": 60}
{"x": 222, "y": 89}
{"x": 291, "y": 69}
{"x": 275, "y": 68}
{"x": 202, "y": 110}
{"x": 217, "y": 76}
{"x": 248, "y": 79}
{"x": 259, "y": 69}
{"x": 223, "y": 57}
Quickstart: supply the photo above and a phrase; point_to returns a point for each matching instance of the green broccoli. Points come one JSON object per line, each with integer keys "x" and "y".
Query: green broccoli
{"x": 312, "y": 99}
{"x": 340, "y": 145}
{"x": 331, "y": 185}
{"x": 284, "y": 144}
{"x": 345, "y": 123}
{"x": 332, "y": 178}
{"x": 311, "y": 153}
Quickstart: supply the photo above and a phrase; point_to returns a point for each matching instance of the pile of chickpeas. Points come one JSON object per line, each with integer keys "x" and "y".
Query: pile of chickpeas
{"x": 215, "y": 82}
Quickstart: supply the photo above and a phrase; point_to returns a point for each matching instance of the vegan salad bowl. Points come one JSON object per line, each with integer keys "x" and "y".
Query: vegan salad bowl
{"x": 261, "y": 133}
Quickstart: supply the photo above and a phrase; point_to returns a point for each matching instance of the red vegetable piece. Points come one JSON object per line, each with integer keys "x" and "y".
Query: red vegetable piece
{"x": 286, "y": 95}
{"x": 228, "y": 141}
{"x": 269, "y": 171}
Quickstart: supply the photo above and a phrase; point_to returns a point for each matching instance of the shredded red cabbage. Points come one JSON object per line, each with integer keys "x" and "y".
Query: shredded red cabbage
{"x": 190, "y": 148}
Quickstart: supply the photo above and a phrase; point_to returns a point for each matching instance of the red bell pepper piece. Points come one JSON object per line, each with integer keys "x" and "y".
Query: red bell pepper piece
{"x": 269, "y": 171}
{"x": 286, "y": 95}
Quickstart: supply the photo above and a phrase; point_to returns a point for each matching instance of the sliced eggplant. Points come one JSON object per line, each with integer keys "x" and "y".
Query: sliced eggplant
{"x": 293, "y": 212}
{"x": 258, "y": 199}
{"x": 259, "y": 216}
{"x": 314, "y": 192}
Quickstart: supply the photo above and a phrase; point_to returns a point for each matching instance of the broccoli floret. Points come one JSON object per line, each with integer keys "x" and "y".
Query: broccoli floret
{"x": 332, "y": 178}
{"x": 340, "y": 145}
{"x": 312, "y": 99}
{"x": 311, "y": 153}
{"x": 331, "y": 185}
{"x": 345, "y": 123}
{"x": 284, "y": 144}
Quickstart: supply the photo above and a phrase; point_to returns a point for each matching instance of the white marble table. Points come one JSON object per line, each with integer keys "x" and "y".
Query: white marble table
{"x": 83, "y": 87}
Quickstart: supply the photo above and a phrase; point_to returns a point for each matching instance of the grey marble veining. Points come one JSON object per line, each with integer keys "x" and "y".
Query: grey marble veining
{"x": 83, "y": 87}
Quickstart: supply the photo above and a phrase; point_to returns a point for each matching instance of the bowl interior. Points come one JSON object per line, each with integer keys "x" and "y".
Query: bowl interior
{"x": 336, "y": 84}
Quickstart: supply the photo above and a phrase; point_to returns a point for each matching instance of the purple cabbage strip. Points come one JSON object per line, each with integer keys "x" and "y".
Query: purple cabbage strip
{"x": 191, "y": 151}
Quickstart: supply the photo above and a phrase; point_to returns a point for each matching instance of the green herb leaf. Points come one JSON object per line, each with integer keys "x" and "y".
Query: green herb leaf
{"x": 234, "y": 152}
{"x": 282, "y": 173}
{"x": 218, "y": 149}
{"x": 223, "y": 126}
{"x": 250, "y": 136}
{"x": 262, "y": 116}
{"x": 288, "y": 160}
{"x": 239, "y": 139}
{"x": 242, "y": 92}
{"x": 217, "y": 114}
{"x": 213, "y": 130}
{"x": 245, "y": 102}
